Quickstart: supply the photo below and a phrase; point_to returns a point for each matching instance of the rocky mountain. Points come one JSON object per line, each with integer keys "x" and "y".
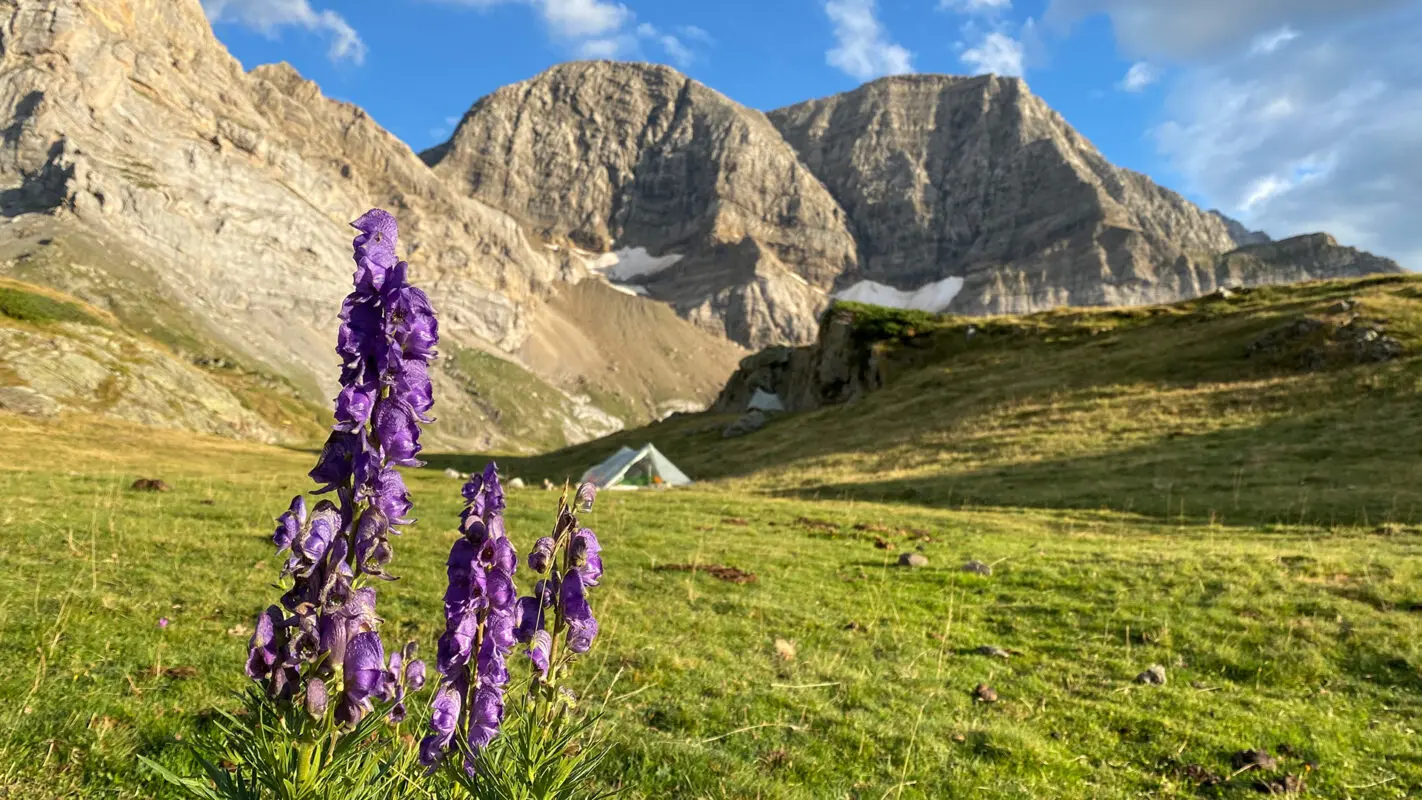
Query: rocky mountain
{"x": 608, "y": 156}
{"x": 205, "y": 207}
{"x": 927, "y": 191}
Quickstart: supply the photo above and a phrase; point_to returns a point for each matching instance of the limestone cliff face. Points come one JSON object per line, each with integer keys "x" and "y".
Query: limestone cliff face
{"x": 228, "y": 193}
{"x": 611, "y": 155}
{"x": 978, "y": 178}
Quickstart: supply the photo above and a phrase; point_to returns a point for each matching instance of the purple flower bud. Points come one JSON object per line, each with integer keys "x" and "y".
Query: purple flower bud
{"x": 290, "y": 523}
{"x": 415, "y": 675}
{"x": 316, "y": 697}
{"x": 587, "y": 493}
{"x": 444, "y": 721}
{"x": 542, "y": 554}
{"x": 539, "y": 648}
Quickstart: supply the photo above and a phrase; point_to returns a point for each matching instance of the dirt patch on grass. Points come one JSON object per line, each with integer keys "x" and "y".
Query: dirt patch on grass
{"x": 717, "y": 571}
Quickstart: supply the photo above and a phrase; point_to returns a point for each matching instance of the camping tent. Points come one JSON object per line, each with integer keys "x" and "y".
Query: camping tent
{"x": 765, "y": 401}
{"x": 628, "y": 468}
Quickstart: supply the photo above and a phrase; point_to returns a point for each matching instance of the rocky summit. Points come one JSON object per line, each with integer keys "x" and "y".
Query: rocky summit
{"x": 602, "y": 241}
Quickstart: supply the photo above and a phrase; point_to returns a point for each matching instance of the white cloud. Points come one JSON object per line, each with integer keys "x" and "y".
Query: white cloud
{"x": 599, "y": 29}
{"x": 1266, "y": 43}
{"x": 1185, "y": 29}
{"x": 997, "y": 53}
{"x": 695, "y": 34}
{"x": 1139, "y": 76}
{"x": 576, "y": 19}
{"x": 975, "y": 6}
{"x": 269, "y": 16}
{"x": 863, "y": 49}
{"x": 1322, "y": 137}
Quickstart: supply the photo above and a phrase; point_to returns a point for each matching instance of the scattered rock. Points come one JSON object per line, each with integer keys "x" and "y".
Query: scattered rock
{"x": 1155, "y": 676}
{"x": 150, "y": 485}
{"x": 992, "y": 652}
{"x": 977, "y": 568}
{"x": 718, "y": 571}
{"x": 985, "y": 694}
{"x": 883, "y": 544}
{"x": 451, "y": 472}
{"x": 1287, "y": 784}
{"x": 1221, "y": 293}
{"x": 785, "y": 650}
{"x": 1253, "y": 759}
{"x": 749, "y": 423}
{"x": 27, "y": 401}
{"x": 548, "y": 485}
{"x": 913, "y": 560}
{"x": 516, "y": 483}
{"x": 1201, "y": 776}
{"x": 1342, "y": 306}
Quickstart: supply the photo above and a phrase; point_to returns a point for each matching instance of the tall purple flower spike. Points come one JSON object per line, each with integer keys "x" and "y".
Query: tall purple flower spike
{"x": 480, "y": 613}
{"x": 325, "y": 644}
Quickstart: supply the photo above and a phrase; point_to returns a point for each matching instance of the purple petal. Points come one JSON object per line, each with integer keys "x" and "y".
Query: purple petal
{"x": 539, "y": 648}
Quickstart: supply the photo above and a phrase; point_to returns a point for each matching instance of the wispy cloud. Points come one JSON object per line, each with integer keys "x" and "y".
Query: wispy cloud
{"x": 1266, "y": 43}
{"x": 604, "y": 29}
{"x": 862, "y": 48}
{"x": 268, "y": 17}
{"x": 1138, "y": 77}
{"x": 997, "y": 53}
{"x": 975, "y": 6}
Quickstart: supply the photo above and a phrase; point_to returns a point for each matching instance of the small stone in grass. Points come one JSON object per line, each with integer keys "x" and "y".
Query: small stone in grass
{"x": 883, "y": 544}
{"x": 1155, "y": 676}
{"x": 785, "y": 650}
{"x": 985, "y": 694}
{"x": 1253, "y": 759}
{"x": 1288, "y": 784}
{"x": 913, "y": 560}
{"x": 151, "y": 485}
{"x": 992, "y": 652}
{"x": 977, "y": 568}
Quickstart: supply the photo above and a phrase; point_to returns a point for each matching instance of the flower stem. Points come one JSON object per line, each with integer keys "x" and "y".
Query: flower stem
{"x": 305, "y": 750}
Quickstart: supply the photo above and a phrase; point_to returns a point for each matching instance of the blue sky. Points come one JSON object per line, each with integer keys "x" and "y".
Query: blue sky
{"x": 1293, "y": 115}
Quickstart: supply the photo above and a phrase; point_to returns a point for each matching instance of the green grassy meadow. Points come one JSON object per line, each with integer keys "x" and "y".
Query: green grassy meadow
{"x": 1145, "y": 493}
{"x": 1301, "y": 636}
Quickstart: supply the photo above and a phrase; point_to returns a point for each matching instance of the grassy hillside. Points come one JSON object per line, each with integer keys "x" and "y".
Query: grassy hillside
{"x": 1162, "y": 411}
{"x": 834, "y": 674}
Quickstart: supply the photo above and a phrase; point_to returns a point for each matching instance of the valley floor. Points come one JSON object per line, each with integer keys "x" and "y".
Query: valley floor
{"x": 834, "y": 674}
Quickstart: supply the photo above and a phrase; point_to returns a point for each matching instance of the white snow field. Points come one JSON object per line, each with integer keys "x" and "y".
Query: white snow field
{"x": 932, "y": 297}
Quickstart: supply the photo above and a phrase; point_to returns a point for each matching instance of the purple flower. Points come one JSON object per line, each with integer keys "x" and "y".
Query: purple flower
{"x": 162, "y": 623}
{"x": 584, "y": 556}
{"x": 266, "y": 644}
{"x": 328, "y": 651}
{"x": 364, "y": 675}
{"x": 290, "y": 523}
{"x": 444, "y": 722}
{"x": 582, "y": 627}
{"x": 481, "y": 612}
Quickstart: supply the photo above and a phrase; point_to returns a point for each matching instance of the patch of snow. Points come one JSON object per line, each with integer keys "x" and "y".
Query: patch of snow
{"x": 932, "y": 297}
{"x": 630, "y": 262}
{"x": 603, "y": 263}
{"x": 629, "y": 288}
